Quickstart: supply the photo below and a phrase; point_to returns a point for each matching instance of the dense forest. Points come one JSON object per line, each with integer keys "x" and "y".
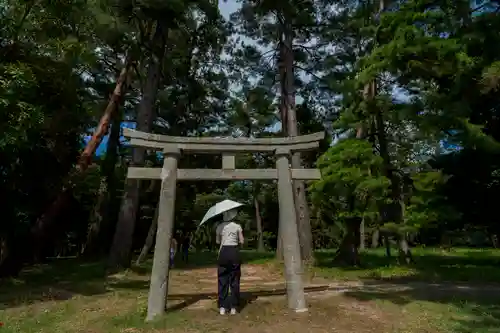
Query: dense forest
{"x": 406, "y": 91}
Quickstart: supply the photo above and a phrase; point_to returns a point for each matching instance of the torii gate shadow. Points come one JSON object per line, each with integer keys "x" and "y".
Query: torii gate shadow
{"x": 247, "y": 297}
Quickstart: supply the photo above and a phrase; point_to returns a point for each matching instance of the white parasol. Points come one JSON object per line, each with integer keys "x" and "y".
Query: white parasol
{"x": 219, "y": 208}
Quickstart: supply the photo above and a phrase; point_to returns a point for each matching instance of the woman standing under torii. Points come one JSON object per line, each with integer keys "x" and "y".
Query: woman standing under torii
{"x": 229, "y": 235}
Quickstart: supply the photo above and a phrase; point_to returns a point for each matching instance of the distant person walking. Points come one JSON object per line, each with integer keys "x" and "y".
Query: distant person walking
{"x": 173, "y": 251}
{"x": 229, "y": 235}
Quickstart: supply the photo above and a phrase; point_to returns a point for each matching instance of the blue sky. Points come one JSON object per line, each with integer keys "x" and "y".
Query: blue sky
{"x": 228, "y": 7}
{"x": 102, "y": 147}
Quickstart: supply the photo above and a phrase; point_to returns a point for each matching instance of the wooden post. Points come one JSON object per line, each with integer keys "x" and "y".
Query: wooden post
{"x": 289, "y": 233}
{"x": 158, "y": 289}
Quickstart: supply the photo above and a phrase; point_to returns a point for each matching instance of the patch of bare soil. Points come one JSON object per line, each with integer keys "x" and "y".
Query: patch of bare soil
{"x": 197, "y": 288}
{"x": 204, "y": 280}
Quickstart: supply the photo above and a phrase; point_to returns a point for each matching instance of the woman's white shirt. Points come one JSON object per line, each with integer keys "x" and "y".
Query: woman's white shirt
{"x": 229, "y": 233}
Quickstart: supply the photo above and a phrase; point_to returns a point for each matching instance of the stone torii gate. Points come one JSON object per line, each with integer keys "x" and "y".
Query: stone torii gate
{"x": 172, "y": 148}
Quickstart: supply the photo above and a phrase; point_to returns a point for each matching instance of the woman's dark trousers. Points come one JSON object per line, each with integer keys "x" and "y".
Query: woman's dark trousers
{"x": 229, "y": 274}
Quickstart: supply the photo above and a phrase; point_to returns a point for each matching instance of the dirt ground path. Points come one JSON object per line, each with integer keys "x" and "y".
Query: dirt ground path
{"x": 205, "y": 279}
{"x": 197, "y": 288}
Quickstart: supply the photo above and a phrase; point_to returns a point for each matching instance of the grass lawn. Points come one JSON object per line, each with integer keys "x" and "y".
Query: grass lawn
{"x": 431, "y": 265}
{"x": 68, "y": 296}
{"x": 452, "y": 291}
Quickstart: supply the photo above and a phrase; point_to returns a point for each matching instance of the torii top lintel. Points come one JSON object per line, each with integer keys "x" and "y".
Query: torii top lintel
{"x": 223, "y": 144}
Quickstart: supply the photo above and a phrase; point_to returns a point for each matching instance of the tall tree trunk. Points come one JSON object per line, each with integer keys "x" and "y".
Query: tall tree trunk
{"x": 494, "y": 240}
{"x": 375, "y": 238}
{"x": 4, "y": 249}
{"x": 150, "y": 237}
{"x": 393, "y": 210}
{"x": 284, "y": 131}
{"x": 405, "y": 256}
{"x": 13, "y": 251}
{"x": 256, "y": 189}
{"x": 347, "y": 252}
{"x": 362, "y": 234}
{"x": 41, "y": 230}
{"x": 122, "y": 242}
{"x": 387, "y": 243}
{"x": 288, "y": 95}
{"x": 258, "y": 221}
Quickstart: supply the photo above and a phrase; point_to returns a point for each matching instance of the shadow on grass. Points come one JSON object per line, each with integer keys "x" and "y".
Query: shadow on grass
{"x": 56, "y": 280}
{"x": 247, "y": 297}
{"x": 460, "y": 310}
{"x": 431, "y": 265}
{"x": 62, "y": 279}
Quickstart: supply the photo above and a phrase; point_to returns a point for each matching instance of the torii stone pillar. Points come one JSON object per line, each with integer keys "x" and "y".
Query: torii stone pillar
{"x": 158, "y": 288}
{"x": 288, "y": 228}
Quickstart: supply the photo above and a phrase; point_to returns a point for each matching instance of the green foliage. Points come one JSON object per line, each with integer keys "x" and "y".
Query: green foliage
{"x": 427, "y": 207}
{"x": 44, "y": 109}
{"x": 491, "y": 77}
{"x": 435, "y": 65}
{"x": 19, "y": 116}
{"x": 348, "y": 187}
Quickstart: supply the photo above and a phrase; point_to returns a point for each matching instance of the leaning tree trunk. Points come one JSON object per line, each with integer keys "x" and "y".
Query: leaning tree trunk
{"x": 288, "y": 98}
{"x": 40, "y": 230}
{"x": 122, "y": 242}
{"x": 111, "y": 204}
{"x": 101, "y": 219}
